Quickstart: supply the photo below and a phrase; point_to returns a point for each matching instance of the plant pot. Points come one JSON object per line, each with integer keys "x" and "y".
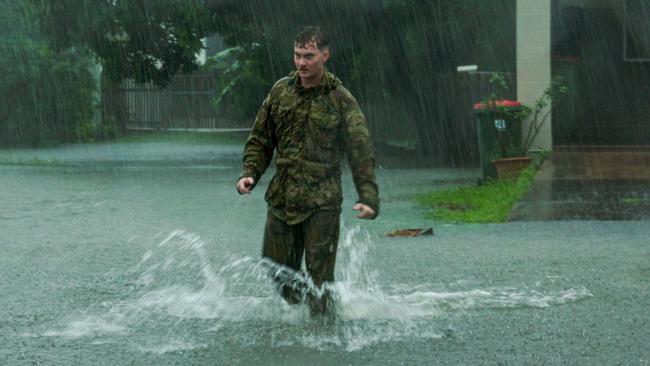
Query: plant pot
{"x": 510, "y": 168}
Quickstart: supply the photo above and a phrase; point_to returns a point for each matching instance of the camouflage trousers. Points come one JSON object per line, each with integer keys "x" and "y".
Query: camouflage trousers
{"x": 316, "y": 239}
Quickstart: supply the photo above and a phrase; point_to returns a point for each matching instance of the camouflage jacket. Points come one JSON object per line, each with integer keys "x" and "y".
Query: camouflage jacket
{"x": 311, "y": 130}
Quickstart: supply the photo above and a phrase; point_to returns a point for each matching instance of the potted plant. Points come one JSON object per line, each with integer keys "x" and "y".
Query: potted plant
{"x": 511, "y": 155}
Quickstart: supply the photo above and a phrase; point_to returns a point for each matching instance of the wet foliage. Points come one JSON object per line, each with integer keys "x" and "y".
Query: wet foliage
{"x": 46, "y": 96}
{"x": 143, "y": 40}
{"x": 388, "y": 53}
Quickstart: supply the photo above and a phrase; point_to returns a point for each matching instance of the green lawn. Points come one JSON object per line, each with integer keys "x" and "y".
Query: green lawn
{"x": 486, "y": 203}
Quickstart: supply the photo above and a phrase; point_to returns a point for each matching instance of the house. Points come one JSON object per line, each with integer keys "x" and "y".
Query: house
{"x": 602, "y": 50}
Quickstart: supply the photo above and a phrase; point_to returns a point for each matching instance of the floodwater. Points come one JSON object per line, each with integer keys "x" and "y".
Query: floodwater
{"x": 143, "y": 253}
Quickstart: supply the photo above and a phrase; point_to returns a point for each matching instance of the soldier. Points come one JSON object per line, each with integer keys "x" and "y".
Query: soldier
{"x": 311, "y": 121}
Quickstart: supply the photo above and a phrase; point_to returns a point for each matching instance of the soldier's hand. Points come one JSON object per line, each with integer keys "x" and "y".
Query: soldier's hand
{"x": 365, "y": 211}
{"x": 245, "y": 185}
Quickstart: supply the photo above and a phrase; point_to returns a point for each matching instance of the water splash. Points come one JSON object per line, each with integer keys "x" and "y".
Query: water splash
{"x": 181, "y": 293}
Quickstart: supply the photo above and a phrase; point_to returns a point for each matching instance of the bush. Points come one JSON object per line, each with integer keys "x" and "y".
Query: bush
{"x": 45, "y": 97}
{"x": 240, "y": 85}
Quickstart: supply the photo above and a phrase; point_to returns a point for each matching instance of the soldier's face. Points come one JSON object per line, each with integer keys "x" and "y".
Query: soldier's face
{"x": 309, "y": 60}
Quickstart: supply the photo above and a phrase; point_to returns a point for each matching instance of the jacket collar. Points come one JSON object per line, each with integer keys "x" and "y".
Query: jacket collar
{"x": 328, "y": 82}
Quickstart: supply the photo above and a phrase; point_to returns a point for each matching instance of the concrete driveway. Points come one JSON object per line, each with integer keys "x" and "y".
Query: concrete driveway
{"x": 589, "y": 185}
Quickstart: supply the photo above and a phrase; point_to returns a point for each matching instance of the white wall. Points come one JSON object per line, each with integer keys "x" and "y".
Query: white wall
{"x": 534, "y": 59}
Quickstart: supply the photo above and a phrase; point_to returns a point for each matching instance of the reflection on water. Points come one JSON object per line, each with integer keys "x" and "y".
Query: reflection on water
{"x": 178, "y": 298}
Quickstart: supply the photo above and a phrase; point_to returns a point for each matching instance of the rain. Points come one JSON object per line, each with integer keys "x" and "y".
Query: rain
{"x": 123, "y": 129}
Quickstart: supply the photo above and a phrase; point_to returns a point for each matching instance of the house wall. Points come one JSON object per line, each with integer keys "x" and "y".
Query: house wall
{"x": 534, "y": 59}
{"x": 607, "y": 99}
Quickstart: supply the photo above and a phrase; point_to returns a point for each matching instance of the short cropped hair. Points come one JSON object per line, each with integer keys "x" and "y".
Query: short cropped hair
{"x": 316, "y": 34}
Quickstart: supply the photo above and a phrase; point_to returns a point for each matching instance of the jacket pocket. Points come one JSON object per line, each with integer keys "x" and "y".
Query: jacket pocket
{"x": 281, "y": 112}
{"x": 324, "y": 129}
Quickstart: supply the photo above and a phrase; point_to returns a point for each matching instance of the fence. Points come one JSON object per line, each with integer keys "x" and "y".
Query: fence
{"x": 186, "y": 103}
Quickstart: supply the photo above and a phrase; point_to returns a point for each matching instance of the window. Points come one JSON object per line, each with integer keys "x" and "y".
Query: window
{"x": 636, "y": 32}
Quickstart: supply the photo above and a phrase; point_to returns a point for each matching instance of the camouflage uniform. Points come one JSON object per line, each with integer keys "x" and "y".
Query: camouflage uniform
{"x": 311, "y": 130}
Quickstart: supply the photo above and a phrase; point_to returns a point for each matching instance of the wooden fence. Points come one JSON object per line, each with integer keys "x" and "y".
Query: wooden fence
{"x": 187, "y": 103}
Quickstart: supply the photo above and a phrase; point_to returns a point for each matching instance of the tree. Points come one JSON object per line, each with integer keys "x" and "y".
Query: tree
{"x": 45, "y": 96}
{"x": 388, "y": 52}
{"x": 147, "y": 40}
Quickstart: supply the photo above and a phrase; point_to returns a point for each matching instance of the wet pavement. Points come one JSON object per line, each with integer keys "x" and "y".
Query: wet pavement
{"x": 143, "y": 251}
{"x": 589, "y": 185}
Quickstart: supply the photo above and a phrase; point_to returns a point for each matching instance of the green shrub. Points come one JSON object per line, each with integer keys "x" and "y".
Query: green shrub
{"x": 46, "y": 97}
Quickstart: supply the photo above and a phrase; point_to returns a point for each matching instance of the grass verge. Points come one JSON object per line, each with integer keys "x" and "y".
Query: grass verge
{"x": 186, "y": 137}
{"x": 487, "y": 203}
{"x": 31, "y": 162}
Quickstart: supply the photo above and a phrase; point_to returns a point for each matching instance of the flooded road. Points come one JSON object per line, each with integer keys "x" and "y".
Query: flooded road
{"x": 143, "y": 253}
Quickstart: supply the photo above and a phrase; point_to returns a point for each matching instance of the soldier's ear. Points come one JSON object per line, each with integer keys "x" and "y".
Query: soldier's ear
{"x": 326, "y": 54}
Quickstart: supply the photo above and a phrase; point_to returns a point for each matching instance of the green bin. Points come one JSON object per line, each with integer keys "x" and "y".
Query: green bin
{"x": 499, "y": 133}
